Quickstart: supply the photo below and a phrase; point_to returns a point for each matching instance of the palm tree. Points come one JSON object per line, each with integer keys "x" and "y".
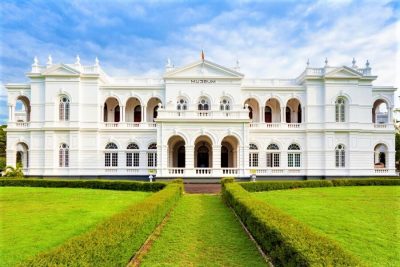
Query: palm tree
{"x": 16, "y": 172}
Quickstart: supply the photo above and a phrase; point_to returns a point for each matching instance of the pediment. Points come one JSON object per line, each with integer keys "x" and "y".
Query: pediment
{"x": 61, "y": 70}
{"x": 204, "y": 69}
{"x": 343, "y": 72}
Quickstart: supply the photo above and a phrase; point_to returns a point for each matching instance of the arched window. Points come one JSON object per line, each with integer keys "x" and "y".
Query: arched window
{"x": 380, "y": 156}
{"x": 294, "y": 156}
{"x": 253, "y": 155}
{"x": 273, "y": 156}
{"x": 63, "y": 108}
{"x": 288, "y": 115}
{"x": 63, "y": 155}
{"x": 117, "y": 114}
{"x": 155, "y": 112}
{"x": 340, "y": 106}
{"x": 152, "y": 155}
{"x": 203, "y": 104}
{"x": 340, "y": 159}
{"x": 132, "y": 155}
{"x": 225, "y": 104}
{"x": 181, "y": 104}
{"x": 111, "y": 158}
{"x": 137, "y": 113}
{"x": 250, "y": 113}
{"x": 268, "y": 114}
{"x": 380, "y": 112}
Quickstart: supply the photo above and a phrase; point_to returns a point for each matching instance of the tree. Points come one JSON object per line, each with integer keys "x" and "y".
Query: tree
{"x": 14, "y": 172}
{"x": 3, "y": 145}
{"x": 397, "y": 146}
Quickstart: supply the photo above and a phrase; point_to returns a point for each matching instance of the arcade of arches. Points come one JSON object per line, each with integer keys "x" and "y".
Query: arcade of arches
{"x": 203, "y": 153}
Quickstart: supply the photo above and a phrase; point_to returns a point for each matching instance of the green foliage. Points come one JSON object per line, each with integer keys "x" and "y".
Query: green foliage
{"x": 227, "y": 180}
{"x": 287, "y": 241}
{"x": 3, "y": 141}
{"x": 2, "y": 164}
{"x": 202, "y": 231}
{"x": 113, "y": 242}
{"x": 95, "y": 184}
{"x": 280, "y": 185}
{"x": 16, "y": 172}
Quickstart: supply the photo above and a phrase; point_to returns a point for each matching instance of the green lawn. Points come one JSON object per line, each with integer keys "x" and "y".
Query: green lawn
{"x": 202, "y": 231}
{"x": 35, "y": 219}
{"x": 364, "y": 219}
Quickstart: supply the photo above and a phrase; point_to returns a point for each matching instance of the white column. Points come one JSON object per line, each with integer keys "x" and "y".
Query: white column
{"x": 303, "y": 114}
{"x": 283, "y": 115}
{"x": 216, "y": 156}
{"x": 101, "y": 113}
{"x": 144, "y": 113}
{"x": 189, "y": 157}
{"x": 10, "y": 111}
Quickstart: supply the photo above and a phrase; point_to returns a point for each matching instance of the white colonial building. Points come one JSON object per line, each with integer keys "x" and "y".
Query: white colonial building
{"x": 201, "y": 120}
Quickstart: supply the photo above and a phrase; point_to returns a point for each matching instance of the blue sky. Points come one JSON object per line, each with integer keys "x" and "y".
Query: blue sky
{"x": 272, "y": 39}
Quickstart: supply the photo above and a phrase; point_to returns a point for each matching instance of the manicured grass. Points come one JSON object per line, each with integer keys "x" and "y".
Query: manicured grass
{"x": 35, "y": 219}
{"x": 364, "y": 219}
{"x": 202, "y": 231}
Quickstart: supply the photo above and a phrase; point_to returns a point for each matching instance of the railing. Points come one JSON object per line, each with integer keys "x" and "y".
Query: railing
{"x": 130, "y": 125}
{"x": 276, "y": 125}
{"x": 381, "y": 171}
{"x": 380, "y": 125}
{"x": 176, "y": 171}
{"x": 22, "y": 124}
{"x": 206, "y": 114}
{"x": 229, "y": 171}
{"x": 203, "y": 171}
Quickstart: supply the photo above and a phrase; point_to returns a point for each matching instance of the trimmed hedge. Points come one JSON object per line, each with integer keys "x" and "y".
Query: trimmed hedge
{"x": 115, "y": 241}
{"x": 93, "y": 184}
{"x": 287, "y": 241}
{"x": 279, "y": 185}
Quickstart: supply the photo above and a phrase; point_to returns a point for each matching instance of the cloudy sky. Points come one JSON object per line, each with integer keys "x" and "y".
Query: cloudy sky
{"x": 272, "y": 39}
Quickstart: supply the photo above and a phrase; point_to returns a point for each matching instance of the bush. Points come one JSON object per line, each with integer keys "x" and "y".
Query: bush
{"x": 287, "y": 241}
{"x": 94, "y": 184}
{"x": 115, "y": 241}
{"x": 280, "y": 185}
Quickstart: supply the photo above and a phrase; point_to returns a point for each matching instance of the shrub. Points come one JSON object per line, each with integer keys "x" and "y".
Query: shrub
{"x": 94, "y": 184}
{"x": 16, "y": 172}
{"x": 287, "y": 241}
{"x": 280, "y": 185}
{"x": 113, "y": 242}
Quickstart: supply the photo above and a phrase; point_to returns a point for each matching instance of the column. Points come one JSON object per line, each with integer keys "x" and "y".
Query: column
{"x": 303, "y": 114}
{"x": 122, "y": 114}
{"x": 144, "y": 113}
{"x": 10, "y": 110}
{"x": 262, "y": 115}
{"x": 216, "y": 149}
{"x": 283, "y": 115}
{"x": 189, "y": 159}
{"x": 101, "y": 113}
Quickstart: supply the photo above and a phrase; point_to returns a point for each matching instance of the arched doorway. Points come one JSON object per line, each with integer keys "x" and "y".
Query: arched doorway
{"x": 152, "y": 108}
{"x": 293, "y": 111}
{"x": 176, "y": 152}
{"x": 22, "y": 155}
{"x": 111, "y": 110}
{"x": 229, "y": 148}
{"x": 203, "y": 152}
{"x": 272, "y": 111}
{"x": 253, "y": 107}
{"x": 22, "y": 109}
{"x": 133, "y": 110}
{"x": 380, "y": 112}
{"x": 380, "y": 156}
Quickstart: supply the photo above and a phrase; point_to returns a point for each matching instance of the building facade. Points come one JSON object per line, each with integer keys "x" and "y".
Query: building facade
{"x": 200, "y": 120}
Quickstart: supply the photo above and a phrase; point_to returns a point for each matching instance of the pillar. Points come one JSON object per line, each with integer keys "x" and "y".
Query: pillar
{"x": 189, "y": 157}
{"x": 216, "y": 153}
{"x": 260, "y": 110}
{"x": 283, "y": 115}
{"x": 122, "y": 114}
{"x": 144, "y": 115}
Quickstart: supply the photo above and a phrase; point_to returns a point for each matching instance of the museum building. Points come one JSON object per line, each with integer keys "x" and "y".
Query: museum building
{"x": 200, "y": 120}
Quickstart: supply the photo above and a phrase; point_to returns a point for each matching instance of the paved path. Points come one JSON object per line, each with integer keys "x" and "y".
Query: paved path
{"x": 202, "y": 188}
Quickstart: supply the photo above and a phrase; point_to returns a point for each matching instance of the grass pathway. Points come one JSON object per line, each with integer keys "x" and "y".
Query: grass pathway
{"x": 202, "y": 231}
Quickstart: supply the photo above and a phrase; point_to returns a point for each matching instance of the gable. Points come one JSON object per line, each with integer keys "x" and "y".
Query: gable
{"x": 61, "y": 70}
{"x": 204, "y": 69}
{"x": 343, "y": 72}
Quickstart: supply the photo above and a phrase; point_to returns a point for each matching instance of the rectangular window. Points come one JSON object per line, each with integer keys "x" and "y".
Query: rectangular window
{"x": 151, "y": 159}
{"x": 107, "y": 160}
{"x": 114, "y": 159}
{"x": 276, "y": 159}
{"x": 342, "y": 159}
{"x": 67, "y": 111}
{"x": 135, "y": 159}
{"x": 297, "y": 160}
{"x": 66, "y": 158}
{"x": 129, "y": 159}
{"x": 253, "y": 160}
{"x": 269, "y": 159}
{"x": 61, "y": 111}
{"x": 60, "y": 158}
{"x": 290, "y": 160}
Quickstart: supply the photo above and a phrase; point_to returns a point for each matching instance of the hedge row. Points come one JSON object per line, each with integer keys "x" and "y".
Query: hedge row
{"x": 279, "y": 185}
{"x": 287, "y": 241}
{"x": 115, "y": 241}
{"x": 94, "y": 184}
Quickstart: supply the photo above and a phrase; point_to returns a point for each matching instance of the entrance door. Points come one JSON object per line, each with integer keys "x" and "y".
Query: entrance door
{"x": 202, "y": 157}
{"x": 224, "y": 157}
{"x": 137, "y": 114}
{"x": 181, "y": 157}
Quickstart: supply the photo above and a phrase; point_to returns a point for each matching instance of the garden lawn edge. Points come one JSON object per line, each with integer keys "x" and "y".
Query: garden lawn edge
{"x": 115, "y": 241}
{"x": 284, "y": 239}
{"x": 93, "y": 184}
